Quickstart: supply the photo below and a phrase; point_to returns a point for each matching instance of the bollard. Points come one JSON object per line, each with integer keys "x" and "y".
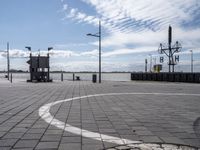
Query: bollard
{"x": 11, "y": 77}
{"x": 73, "y": 76}
{"x": 94, "y": 78}
{"x": 62, "y": 76}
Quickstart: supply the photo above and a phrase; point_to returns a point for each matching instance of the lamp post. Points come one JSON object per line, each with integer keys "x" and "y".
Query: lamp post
{"x": 29, "y": 49}
{"x": 191, "y": 61}
{"x": 8, "y": 61}
{"x": 146, "y": 65}
{"x": 99, "y": 36}
{"x": 49, "y": 48}
{"x": 150, "y": 67}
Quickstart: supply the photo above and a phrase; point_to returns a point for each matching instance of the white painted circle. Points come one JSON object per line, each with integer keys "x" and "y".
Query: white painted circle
{"x": 44, "y": 113}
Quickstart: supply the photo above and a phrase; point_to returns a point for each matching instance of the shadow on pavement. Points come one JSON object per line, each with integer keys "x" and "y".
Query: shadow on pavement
{"x": 196, "y": 127}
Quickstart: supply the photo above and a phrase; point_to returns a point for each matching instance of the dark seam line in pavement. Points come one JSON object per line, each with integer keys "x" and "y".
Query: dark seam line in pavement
{"x": 32, "y": 124}
{"x": 16, "y": 115}
{"x": 23, "y": 102}
{"x": 70, "y": 106}
{"x": 93, "y": 115}
{"x": 80, "y": 116}
{"x": 55, "y": 99}
{"x": 104, "y": 114}
{"x": 118, "y": 97}
{"x": 13, "y": 102}
{"x": 196, "y": 128}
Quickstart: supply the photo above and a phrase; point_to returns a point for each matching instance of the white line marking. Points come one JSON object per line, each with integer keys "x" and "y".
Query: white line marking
{"x": 45, "y": 114}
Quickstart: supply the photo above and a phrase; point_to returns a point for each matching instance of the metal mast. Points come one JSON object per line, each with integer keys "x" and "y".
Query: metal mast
{"x": 170, "y": 50}
{"x": 8, "y": 61}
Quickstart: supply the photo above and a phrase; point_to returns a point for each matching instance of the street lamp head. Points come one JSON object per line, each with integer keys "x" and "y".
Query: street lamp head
{"x": 50, "y": 48}
{"x": 89, "y": 34}
{"x": 28, "y": 47}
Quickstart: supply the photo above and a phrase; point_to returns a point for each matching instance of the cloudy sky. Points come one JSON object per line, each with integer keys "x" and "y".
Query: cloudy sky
{"x": 131, "y": 32}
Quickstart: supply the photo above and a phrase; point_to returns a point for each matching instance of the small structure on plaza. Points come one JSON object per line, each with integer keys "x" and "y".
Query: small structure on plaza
{"x": 157, "y": 68}
{"x": 39, "y": 68}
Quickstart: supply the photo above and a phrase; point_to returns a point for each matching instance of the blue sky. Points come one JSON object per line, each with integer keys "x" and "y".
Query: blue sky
{"x": 131, "y": 31}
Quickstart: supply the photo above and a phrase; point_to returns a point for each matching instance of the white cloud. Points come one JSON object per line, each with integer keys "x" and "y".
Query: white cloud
{"x": 92, "y": 53}
{"x": 17, "y": 53}
{"x": 65, "y": 7}
{"x": 129, "y": 51}
{"x": 93, "y": 66}
{"x": 142, "y": 22}
{"x": 144, "y": 13}
{"x": 188, "y": 38}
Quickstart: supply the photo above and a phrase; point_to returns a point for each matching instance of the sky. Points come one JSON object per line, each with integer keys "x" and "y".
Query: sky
{"x": 131, "y": 32}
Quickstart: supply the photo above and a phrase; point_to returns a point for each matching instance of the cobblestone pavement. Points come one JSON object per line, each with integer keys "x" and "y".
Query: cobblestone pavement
{"x": 148, "y": 118}
{"x": 150, "y": 146}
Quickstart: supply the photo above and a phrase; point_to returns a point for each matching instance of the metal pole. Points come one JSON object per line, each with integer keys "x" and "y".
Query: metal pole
{"x": 170, "y": 48}
{"x": 172, "y": 60}
{"x": 31, "y": 67}
{"x": 150, "y": 63}
{"x": 154, "y": 60}
{"x": 99, "y": 51}
{"x": 48, "y": 69}
{"x": 145, "y": 65}
{"x": 191, "y": 60}
{"x": 8, "y": 61}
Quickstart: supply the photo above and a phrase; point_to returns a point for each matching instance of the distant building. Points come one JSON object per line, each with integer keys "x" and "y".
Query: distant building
{"x": 157, "y": 68}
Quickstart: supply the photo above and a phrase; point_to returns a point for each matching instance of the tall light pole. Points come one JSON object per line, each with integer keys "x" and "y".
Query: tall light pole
{"x": 191, "y": 60}
{"x": 99, "y": 36}
{"x": 146, "y": 65}
{"x": 49, "y": 48}
{"x": 150, "y": 67}
{"x": 8, "y": 60}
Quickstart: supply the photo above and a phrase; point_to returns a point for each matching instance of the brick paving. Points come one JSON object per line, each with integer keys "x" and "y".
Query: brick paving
{"x": 152, "y": 118}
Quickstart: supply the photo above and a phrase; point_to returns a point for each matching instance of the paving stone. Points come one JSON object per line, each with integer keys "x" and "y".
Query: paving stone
{"x": 143, "y": 133}
{"x": 53, "y": 132}
{"x": 29, "y": 136}
{"x": 92, "y": 147}
{"x": 7, "y": 142}
{"x": 70, "y": 146}
{"x": 23, "y": 149}
{"x": 4, "y": 129}
{"x": 26, "y": 144}
{"x": 47, "y": 145}
{"x": 5, "y": 148}
{"x": 71, "y": 139}
{"x": 2, "y": 134}
{"x": 18, "y": 130}
{"x": 49, "y": 138}
{"x": 151, "y": 118}
{"x": 173, "y": 140}
{"x": 33, "y": 130}
{"x": 150, "y": 139}
{"x": 13, "y": 135}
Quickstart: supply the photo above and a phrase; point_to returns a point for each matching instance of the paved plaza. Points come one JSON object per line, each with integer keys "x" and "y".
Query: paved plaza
{"x": 81, "y": 115}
